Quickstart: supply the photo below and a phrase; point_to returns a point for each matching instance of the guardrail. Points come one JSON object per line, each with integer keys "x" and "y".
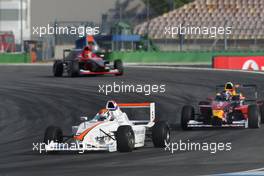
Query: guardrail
{"x": 15, "y": 58}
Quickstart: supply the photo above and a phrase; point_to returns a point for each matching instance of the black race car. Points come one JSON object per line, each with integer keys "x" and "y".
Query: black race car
{"x": 75, "y": 64}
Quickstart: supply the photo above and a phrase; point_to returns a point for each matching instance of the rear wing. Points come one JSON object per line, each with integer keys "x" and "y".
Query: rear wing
{"x": 148, "y": 105}
{"x": 65, "y": 52}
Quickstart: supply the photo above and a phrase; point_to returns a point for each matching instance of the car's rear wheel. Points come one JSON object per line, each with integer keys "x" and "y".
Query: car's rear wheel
{"x": 73, "y": 69}
{"x": 187, "y": 114}
{"x": 160, "y": 134}
{"x": 54, "y": 134}
{"x": 254, "y": 119}
{"x": 125, "y": 139}
{"x": 58, "y": 68}
{"x": 118, "y": 64}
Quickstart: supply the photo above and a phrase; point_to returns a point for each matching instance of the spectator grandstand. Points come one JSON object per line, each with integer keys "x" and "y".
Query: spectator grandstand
{"x": 244, "y": 16}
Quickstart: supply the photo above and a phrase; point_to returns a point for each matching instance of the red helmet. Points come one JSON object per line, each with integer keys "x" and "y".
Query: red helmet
{"x": 86, "y": 52}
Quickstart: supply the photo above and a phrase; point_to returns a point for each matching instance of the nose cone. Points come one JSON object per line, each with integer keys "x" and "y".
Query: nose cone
{"x": 219, "y": 105}
{"x": 84, "y": 129}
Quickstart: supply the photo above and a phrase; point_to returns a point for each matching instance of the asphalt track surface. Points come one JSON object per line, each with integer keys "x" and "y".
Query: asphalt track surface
{"x": 31, "y": 100}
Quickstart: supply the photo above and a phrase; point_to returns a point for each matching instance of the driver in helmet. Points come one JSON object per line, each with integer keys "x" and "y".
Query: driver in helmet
{"x": 87, "y": 52}
{"x": 230, "y": 89}
{"x": 232, "y": 94}
{"x": 91, "y": 61}
{"x": 103, "y": 115}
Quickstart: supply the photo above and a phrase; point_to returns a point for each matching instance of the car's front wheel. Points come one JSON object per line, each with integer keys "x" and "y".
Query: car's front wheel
{"x": 125, "y": 139}
{"x": 118, "y": 64}
{"x": 58, "y": 68}
{"x": 73, "y": 69}
{"x": 187, "y": 114}
{"x": 54, "y": 134}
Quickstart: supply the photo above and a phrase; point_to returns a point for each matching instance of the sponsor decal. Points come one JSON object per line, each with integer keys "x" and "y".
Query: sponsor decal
{"x": 250, "y": 65}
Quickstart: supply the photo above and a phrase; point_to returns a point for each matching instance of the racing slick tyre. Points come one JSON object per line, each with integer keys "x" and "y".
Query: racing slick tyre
{"x": 118, "y": 64}
{"x": 160, "y": 134}
{"x": 254, "y": 119}
{"x": 58, "y": 68}
{"x": 73, "y": 69}
{"x": 125, "y": 139}
{"x": 53, "y": 133}
{"x": 187, "y": 114}
{"x": 261, "y": 108}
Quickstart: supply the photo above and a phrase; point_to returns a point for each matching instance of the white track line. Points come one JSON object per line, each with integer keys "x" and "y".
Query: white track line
{"x": 193, "y": 68}
{"x": 253, "y": 172}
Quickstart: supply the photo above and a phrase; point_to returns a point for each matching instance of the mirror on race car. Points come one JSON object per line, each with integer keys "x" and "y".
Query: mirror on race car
{"x": 83, "y": 119}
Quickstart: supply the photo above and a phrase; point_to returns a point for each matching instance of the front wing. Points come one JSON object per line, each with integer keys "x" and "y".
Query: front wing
{"x": 235, "y": 124}
{"x": 87, "y": 72}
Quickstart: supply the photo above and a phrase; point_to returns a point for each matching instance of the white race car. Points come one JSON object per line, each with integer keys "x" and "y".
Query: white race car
{"x": 110, "y": 130}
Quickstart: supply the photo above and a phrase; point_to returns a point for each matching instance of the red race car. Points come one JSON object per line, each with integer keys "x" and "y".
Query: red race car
{"x": 226, "y": 110}
{"x": 79, "y": 62}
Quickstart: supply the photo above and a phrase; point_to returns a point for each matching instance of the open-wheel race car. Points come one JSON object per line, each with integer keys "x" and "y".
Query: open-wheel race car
{"x": 76, "y": 63}
{"x": 110, "y": 130}
{"x": 226, "y": 110}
